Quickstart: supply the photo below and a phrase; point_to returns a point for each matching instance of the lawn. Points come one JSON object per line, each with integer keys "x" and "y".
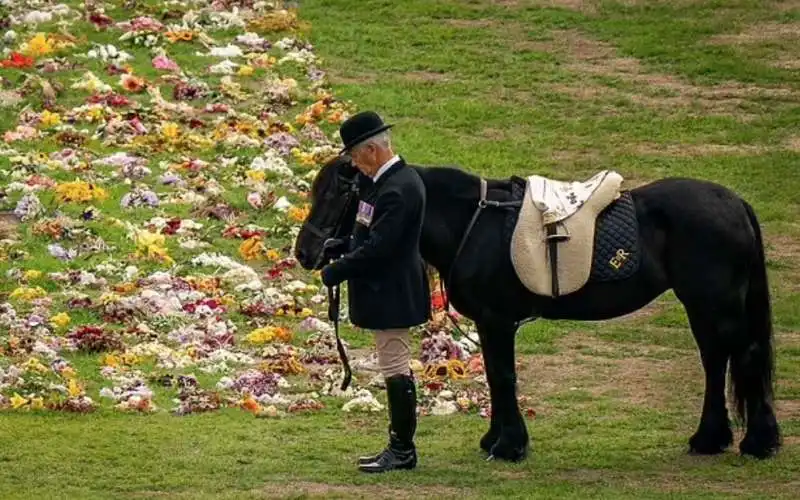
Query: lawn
{"x": 563, "y": 88}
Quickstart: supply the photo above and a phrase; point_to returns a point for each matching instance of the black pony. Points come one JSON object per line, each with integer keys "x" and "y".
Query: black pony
{"x": 696, "y": 238}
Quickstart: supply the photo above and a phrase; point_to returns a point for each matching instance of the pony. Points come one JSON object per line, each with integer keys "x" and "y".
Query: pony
{"x": 697, "y": 238}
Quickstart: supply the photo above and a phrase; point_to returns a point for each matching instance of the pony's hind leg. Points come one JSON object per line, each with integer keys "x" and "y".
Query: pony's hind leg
{"x": 507, "y": 438}
{"x": 713, "y": 334}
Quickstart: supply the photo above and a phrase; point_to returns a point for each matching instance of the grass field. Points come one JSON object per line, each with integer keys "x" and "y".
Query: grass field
{"x": 707, "y": 89}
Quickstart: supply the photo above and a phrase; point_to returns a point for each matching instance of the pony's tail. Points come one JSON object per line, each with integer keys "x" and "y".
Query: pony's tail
{"x": 753, "y": 357}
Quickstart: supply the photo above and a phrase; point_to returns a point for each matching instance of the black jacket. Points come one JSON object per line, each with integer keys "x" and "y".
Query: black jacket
{"x": 387, "y": 283}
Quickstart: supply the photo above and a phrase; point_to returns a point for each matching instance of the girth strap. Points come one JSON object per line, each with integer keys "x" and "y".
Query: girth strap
{"x": 483, "y": 202}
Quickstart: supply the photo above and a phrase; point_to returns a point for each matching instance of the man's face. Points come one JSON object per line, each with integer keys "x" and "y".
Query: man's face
{"x": 364, "y": 158}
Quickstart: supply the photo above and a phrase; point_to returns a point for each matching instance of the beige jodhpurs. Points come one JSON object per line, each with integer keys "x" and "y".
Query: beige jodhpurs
{"x": 394, "y": 352}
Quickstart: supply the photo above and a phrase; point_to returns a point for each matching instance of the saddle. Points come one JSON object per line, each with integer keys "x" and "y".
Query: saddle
{"x": 553, "y": 240}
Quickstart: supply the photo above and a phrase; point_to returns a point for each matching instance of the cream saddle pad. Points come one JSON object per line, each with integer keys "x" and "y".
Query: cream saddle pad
{"x": 555, "y": 229}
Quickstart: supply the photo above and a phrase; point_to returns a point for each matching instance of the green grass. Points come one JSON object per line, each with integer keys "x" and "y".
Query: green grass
{"x": 486, "y": 86}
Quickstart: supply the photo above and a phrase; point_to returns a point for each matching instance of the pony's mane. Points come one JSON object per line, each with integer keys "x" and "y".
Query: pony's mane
{"x": 451, "y": 181}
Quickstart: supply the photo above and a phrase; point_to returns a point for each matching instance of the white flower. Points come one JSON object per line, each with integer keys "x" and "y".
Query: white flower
{"x": 282, "y": 205}
{"x": 271, "y": 161}
{"x": 10, "y": 36}
{"x": 302, "y": 56}
{"x": 227, "y": 51}
{"x": 226, "y": 67}
{"x": 37, "y": 17}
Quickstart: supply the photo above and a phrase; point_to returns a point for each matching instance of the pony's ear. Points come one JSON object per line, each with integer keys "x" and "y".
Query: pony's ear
{"x": 346, "y": 168}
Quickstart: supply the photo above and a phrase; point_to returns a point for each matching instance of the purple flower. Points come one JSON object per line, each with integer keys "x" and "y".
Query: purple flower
{"x": 35, "y": 320}
{"x": 61, "y": 253}
{"x": 283, "y": 142}
{"x": 257, "y": 383}
{"x": 28, "y": 207}
{"x": 315, "y": 74}
{"x": 139, "y": 198}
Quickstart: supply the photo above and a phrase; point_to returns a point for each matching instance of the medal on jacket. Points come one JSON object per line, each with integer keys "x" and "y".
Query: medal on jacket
{"x": 364, "y": 215}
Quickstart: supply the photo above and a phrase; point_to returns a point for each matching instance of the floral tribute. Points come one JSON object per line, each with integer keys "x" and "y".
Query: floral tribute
{"x": 157, "y": 166}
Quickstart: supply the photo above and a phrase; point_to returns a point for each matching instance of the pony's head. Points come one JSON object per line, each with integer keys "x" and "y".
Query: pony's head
{"x": 333, "y": 196}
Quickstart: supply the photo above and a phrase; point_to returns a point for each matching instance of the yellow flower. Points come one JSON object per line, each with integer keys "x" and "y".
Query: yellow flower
{"x": 268, "y": 334}
{"x": 150, "y": 245}
{"x": 110, "y": 360}
{"x": 306, "y": 312}
{"x": 170, "y": 130}
{"x": 37, "y": 46}
{"x": 245, "y": 70}
{"x": 251, "y": 248}
{"x": 73, "y": 389}
{"x": 37, "y": 403}
{"x": 49, "y": 119}
{"x": 18, "y": 401}
{"x": 256, "y": 175}
{"x": 273, "y": 254}
{"x": 60, "y": 320}
{"x": 34, "y": 365}
{"x": 95, "y": 114}
{"x": 33, "y": 274}
{"x": 27, "y": 294}
{"x": 68, "y": 372}
{"x": 79, "y": 191}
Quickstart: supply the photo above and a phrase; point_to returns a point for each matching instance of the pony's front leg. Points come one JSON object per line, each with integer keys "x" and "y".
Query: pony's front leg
{"x": 507, "y": 438}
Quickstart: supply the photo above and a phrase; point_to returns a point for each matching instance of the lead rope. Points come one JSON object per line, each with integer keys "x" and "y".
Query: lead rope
{"x": 333, "y": 316}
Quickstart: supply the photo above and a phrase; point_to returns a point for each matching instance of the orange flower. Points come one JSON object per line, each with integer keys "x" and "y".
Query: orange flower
{"x": 299, "y": 214}
{"x": 252, "y": 248}
{"x": 251, "y": 405}
{"x": 132, "y": 83}
{"x": 176, "y": 36}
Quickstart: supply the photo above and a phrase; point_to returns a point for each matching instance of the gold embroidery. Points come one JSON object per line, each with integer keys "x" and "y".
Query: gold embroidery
{"x": 619, "y": 259}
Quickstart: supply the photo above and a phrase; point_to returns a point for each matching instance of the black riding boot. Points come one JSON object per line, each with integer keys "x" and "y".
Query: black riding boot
{"x": 400, "y": 452}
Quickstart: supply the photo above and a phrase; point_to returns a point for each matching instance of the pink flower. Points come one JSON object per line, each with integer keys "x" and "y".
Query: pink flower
{"x": 165, "y": 63}
{"x": 255, "y": 201}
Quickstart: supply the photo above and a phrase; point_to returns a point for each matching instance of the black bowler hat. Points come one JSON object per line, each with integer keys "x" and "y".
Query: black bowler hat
{"x": 361, "y": 127}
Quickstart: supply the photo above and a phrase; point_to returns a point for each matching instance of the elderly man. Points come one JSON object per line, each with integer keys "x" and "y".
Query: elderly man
{"x": 387, "y": 285}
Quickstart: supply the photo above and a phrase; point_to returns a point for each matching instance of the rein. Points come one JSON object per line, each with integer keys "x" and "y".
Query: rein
{"x": 483, "y": 203}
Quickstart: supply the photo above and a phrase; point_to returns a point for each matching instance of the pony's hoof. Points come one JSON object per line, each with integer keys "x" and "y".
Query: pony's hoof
{"x": 505, "y": 450}
{"x": 762, "y": 451}
{"x": 710, "y": 442}
{"x": 489, "y": 440}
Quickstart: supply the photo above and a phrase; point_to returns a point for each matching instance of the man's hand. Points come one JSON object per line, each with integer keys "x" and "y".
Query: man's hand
{"x": 335, "y": 248}
{"x": 327, "y": 275}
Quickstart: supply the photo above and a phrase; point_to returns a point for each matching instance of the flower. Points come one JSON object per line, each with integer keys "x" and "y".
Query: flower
{"x": 17, "y": 60}
{"x": 37, "y": 46}
{"x": 132, "y": 83}
{"x": 252, "y": 248}
{"x": 28, "y": 294}
{"x": 269, "y": 334}
{"x": 79, "y": 191}
{"x": 163, "y": 62}
{"x": 60, "y": 320}
{"x": 18, "y": 401}
{"x": 48, "y": 119}
{"x": 299, "y": 214}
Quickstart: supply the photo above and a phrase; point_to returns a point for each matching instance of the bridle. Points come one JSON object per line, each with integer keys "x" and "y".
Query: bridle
{"x": 328, "y": 236}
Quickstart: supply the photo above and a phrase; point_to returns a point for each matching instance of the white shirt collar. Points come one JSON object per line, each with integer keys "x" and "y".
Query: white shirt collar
{"x": 394, "y": 159}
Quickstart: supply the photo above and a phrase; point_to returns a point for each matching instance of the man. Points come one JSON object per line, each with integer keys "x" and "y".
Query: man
{"x": 387, "y": 285}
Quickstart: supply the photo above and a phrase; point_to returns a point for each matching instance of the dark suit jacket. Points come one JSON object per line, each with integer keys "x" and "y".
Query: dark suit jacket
{"x": 387, "y": 283}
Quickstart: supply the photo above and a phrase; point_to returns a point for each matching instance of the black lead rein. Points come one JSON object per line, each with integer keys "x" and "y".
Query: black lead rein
{"x": 483, "y": 203}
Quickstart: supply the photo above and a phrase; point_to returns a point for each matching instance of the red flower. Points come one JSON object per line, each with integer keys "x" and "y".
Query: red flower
{"x": 17, "y": 60}
{"x": 437, "y": 300}
{"x": 100, "y": 20}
